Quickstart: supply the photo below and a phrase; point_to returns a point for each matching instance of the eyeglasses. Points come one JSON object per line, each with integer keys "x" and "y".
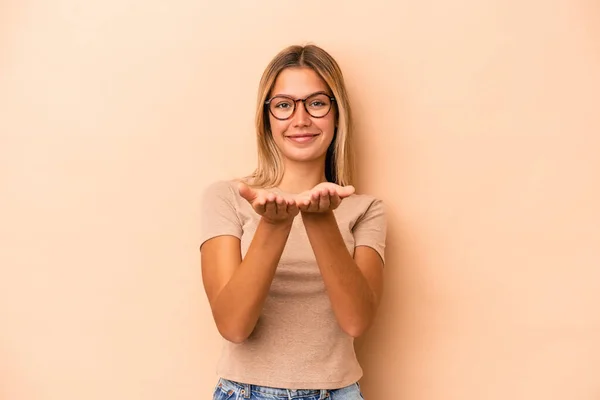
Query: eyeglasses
{"x": 317, "y": 105}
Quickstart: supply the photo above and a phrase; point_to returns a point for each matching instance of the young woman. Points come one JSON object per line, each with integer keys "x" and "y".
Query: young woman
{"x": 292, "y": 258}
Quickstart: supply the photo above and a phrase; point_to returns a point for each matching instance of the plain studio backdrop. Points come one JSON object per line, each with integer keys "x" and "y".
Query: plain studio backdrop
{"x": 477, "y": 122}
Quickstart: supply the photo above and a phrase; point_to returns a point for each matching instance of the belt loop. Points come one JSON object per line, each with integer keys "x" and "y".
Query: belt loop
{"x": 324, "y": 394}
{"x": 247, "y": 390}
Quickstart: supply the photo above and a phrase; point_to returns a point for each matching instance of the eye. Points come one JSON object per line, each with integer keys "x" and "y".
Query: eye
{"x": 318, "y": 101}
{"x": 283, "y": 105}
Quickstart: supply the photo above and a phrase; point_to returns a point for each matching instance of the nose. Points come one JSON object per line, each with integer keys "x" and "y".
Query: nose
{"x": 301, "y": 116}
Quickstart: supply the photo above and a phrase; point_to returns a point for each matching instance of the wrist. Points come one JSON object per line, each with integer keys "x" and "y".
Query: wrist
{"x": 316, "y": 216}
{"x": 277, "y": 224}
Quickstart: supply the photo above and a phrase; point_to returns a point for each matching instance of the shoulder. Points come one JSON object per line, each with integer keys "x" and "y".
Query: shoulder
{"x": 221, "y": 185}
{"x": 221, "y": 194}
{"x": 219, "y": 211}
{"x": 221, "y": 189}
{"x": 362, "y": 204}
{"x": 366, "y": 216}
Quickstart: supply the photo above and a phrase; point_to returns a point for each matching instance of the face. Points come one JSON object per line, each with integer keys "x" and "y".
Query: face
{"x": 302, "y": 137}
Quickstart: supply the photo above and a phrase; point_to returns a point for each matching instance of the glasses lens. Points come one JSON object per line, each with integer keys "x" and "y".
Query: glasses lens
{"x": 318, "y": 105}
{"x": 281, "y": 107}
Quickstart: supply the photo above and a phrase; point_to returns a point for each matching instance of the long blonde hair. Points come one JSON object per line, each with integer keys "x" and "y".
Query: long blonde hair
{"x": 339, "y": 162}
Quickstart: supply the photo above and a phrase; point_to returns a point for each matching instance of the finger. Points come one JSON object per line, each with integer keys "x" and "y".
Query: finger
{"x": 289, "y": 206}
{"x": 271, "y": 197}
{"x": 260, "y": 205}
{"x": 270, "y": 206}
{"x": 315, "y": 201}
{"x": 345, "y": 191}
{"x": 247, "y": 192}
{"x": 281, "y": 205}
{"x": 302, "y": 202}
{"x": 324, "y": 202}
{"x": 290, "y": 201}
{"x": 302, "y": 206}
{"x": 334, "y": 201}
{"x": 312, "y": 202}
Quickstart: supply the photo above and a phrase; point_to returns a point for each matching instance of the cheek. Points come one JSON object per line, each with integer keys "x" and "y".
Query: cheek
{"x": 327, "y": 126}
{"x": 277, "y": 127}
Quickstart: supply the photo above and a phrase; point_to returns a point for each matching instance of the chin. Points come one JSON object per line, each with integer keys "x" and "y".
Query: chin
{"x": 304, "y": 156}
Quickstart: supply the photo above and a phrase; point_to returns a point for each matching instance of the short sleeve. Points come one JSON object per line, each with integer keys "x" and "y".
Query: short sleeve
{"x": 218, "y": 212}
{"x": 371, "y": 229}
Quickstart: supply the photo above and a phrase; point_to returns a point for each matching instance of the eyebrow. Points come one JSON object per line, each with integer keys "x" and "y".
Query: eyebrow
{"x": 325, "y": 92}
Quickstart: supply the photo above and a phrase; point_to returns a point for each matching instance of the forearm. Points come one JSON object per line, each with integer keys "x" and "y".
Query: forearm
{"x": 354, "y": 303}
{"x": 239, "y": 304}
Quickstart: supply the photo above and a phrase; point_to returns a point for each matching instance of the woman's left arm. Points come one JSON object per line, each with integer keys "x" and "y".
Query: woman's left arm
{"x": 354, "y": 283}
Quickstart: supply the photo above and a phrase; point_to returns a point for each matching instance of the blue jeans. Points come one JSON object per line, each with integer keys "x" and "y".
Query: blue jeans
{"x": 229, "y": 390}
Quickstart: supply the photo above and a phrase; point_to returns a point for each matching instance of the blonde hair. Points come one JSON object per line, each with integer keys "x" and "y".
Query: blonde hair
{"x": 339, "y": 163}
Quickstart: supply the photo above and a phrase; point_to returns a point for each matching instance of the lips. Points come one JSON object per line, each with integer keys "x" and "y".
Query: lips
{"x": 302, "y": 138}
{"x": 303, "y": 135}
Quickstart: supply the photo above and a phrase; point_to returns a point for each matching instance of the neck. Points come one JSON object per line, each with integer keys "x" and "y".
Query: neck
{"x": 299, "y": 177}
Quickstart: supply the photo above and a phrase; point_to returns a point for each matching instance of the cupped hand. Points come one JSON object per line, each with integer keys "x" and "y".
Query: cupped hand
{"x": 272, "y": 207}
{"x": 324, "y": 197}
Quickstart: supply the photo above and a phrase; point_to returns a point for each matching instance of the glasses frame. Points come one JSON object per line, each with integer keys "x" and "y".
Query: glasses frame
{"x": 295, "y": 101}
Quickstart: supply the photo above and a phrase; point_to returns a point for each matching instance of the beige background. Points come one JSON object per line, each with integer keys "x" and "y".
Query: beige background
{"x": 478, "y": 125}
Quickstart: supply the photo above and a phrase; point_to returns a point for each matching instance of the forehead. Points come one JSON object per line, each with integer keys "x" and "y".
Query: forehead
{"x": 298, "y": 82}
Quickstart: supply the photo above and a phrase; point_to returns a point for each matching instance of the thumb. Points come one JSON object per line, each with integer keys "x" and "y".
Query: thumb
{"x": 345, "y": 191}
{"x": 246, "y": 192}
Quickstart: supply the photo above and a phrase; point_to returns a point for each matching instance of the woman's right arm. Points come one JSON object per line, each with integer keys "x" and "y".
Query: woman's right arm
{"x": 237, "y": 288}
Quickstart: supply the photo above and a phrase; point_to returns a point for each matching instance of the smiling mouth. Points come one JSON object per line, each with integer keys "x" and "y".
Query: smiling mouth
{"x": 303, "y": 135}
{"x": 302, "y": 138}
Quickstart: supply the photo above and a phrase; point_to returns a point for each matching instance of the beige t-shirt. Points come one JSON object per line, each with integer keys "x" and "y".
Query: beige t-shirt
{"x": 297, "y": 342}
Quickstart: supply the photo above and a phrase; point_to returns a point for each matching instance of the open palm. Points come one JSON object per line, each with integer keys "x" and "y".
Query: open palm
{"x": 273, "y": 207}
{"x": 326, "y": 196}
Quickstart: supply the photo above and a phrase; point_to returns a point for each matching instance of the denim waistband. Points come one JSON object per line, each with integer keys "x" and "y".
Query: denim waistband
{"x": 245, "y": 390}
